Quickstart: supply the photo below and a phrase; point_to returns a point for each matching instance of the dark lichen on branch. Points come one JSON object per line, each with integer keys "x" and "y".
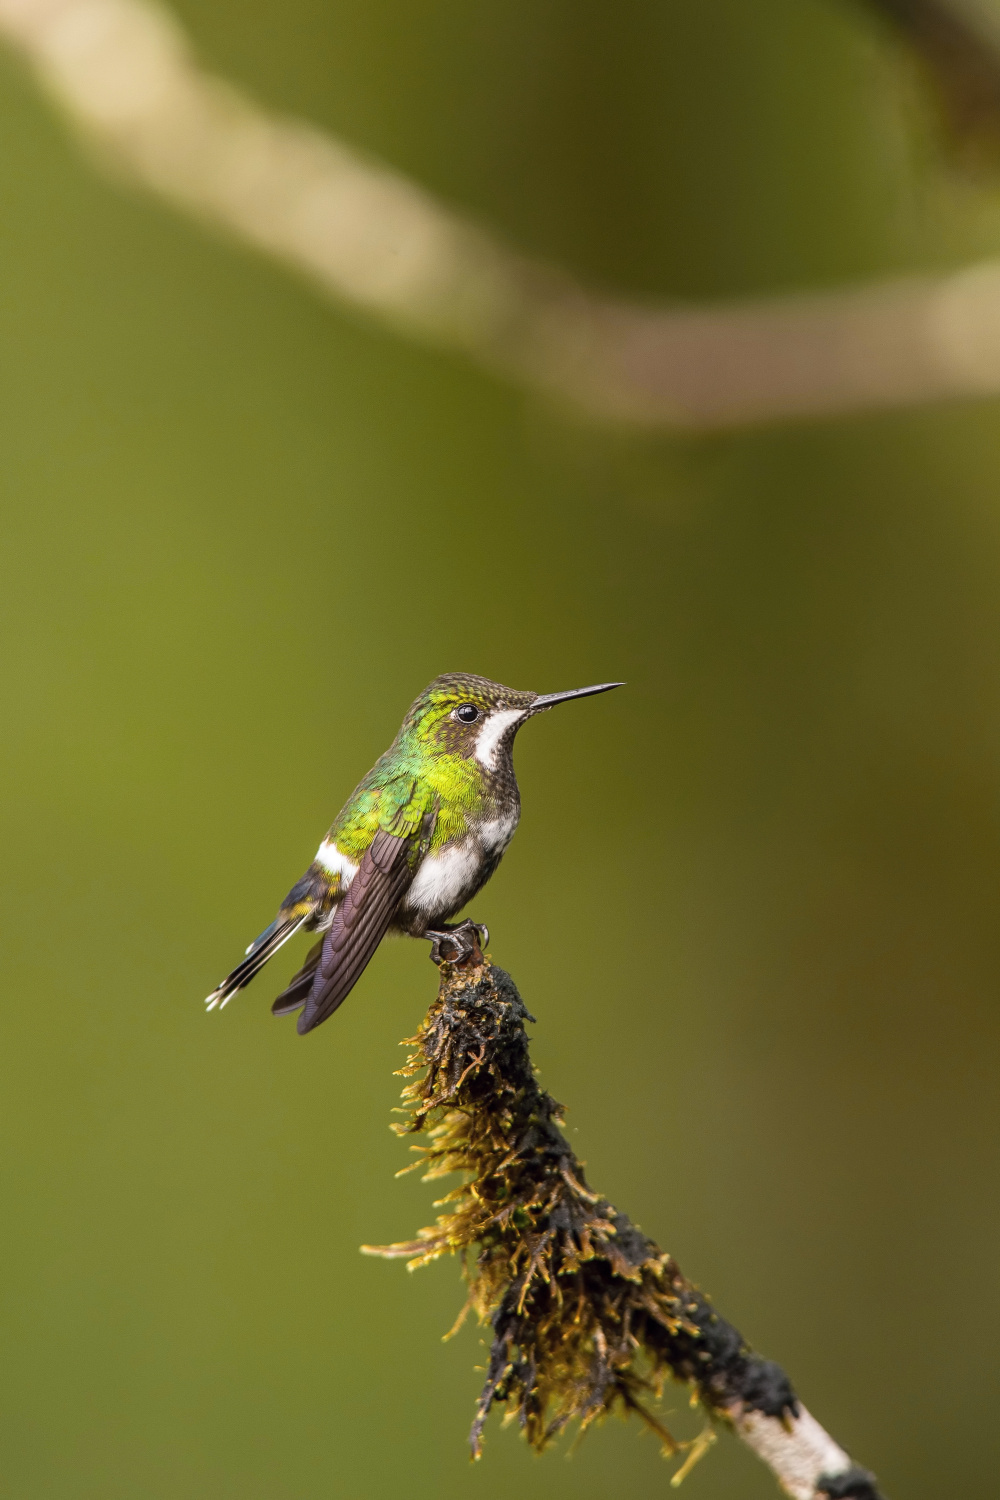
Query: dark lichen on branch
{"x": 588, "y": 1315}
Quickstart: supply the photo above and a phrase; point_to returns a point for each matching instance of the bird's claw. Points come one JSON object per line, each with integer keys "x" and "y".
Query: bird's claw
{"x": 461, "y": 944}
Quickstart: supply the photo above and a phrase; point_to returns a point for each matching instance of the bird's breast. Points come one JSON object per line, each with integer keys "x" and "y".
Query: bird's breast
{"x": 451, "y": 875}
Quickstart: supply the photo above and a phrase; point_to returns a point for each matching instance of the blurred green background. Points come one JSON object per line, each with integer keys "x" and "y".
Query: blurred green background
{"x": 753, "y": 902}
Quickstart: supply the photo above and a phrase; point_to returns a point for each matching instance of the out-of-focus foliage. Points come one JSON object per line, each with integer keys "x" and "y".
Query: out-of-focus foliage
{"x": 242, "y": 530}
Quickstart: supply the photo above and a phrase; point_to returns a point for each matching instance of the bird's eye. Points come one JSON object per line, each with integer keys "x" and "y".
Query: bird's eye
{"x": 467, "y": 713}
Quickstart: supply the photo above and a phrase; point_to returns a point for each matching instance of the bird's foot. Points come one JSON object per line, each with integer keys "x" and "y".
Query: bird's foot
{"x": 459, "y": 944}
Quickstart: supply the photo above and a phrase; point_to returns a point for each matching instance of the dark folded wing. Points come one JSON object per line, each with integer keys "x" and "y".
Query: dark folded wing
{"x": 296, "y": 992}
{"x": 359, "y": 925}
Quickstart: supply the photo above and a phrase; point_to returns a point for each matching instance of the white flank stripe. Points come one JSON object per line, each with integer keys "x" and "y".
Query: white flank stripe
{"x": 492, "y": 732}
{"x": 330, "y": 857}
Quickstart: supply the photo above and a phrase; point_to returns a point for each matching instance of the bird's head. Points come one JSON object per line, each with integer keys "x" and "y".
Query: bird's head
{"x": 459, "y": 714}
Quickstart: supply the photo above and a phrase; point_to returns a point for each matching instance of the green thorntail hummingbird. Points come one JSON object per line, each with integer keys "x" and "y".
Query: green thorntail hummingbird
{"x": 415, "y": 841}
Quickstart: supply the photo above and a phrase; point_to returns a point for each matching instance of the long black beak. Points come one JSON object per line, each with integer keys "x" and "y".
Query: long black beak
{"x": 549, "y": 700}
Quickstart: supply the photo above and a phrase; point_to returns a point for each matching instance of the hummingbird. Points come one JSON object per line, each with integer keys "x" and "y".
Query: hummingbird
{"x": 415, "y": 841}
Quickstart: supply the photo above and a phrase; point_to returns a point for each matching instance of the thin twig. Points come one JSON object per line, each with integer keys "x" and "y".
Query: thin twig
{"x": 122, "y": 72}
{"x": 587, "y": 1313}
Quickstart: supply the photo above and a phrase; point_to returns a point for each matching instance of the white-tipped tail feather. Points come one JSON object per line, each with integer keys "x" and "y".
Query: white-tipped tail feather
{"x": 270, "y": 940}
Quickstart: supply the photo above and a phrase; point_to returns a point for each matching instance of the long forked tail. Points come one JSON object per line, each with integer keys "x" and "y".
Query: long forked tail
{"x": 258, "y": 954}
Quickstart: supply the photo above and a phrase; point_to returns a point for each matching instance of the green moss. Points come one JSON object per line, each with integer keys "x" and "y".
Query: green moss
{"x": 588, "y": 1315}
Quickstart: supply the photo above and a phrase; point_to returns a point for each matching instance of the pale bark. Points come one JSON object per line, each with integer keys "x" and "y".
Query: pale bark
{"x": 801, "y": 1454}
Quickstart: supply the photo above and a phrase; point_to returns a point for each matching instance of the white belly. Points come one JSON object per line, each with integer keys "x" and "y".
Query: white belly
{"x": 445, "y": 881}
{"x": 498, "y": 832}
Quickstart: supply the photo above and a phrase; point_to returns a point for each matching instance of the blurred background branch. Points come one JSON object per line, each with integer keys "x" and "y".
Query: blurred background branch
{"x": 122, "y": 73}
